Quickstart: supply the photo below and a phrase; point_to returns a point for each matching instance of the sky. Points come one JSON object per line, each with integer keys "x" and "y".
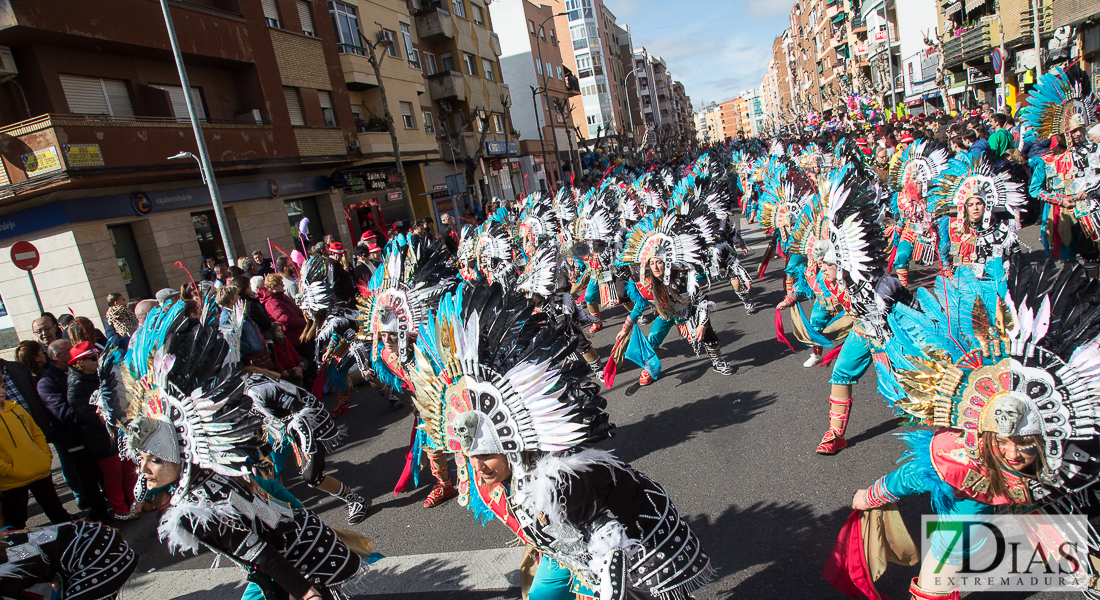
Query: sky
{"x": 716, "y": 48}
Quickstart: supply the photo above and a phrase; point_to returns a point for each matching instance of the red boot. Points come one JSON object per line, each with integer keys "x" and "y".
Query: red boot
{"x": 645, "y": 378}
{"x": 833, "y": 440}
{"x": 443, "y": 487}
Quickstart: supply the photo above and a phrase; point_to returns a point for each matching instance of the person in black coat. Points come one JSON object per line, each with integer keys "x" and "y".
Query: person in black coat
{"x": 53, "y": 389}
{"x": 118, "y": 478}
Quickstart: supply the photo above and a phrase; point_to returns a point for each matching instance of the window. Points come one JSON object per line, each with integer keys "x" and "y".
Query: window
{"x": 538, "y": 65}
{"x": 559, "y": 74}
{"x": 531, "y": 27}
{"x": 94, "y": 96}
{"x": 306, "y": 17}
{"x": 391, "y": 46}
{"x": 407, "y": 115}
{"x": 460, "y": 8}
{"x": 477, "y": 14}
{"x": 271, "y": 13}
{"x": 498, "y": 123}
{"x": 542, "y": 33}
{"x": 357, "y": 116}
{"x": 553, "y": 40}
{"x": 602, "y": 87}
{"x": 549, "y": 69}
{"x": 429, "y": 122}
{"x": 592, "y": 119}
{"x": 326, "y": 108}
{"x": 578, "y": 33}
{"x": 471, "y": 64}
{"x": 345, "y": 22}
{"x": 487, "y": 66}
{"x": 448, "y": 61}
{"x": 294, "y": 106}
{"x": 179, "y": 103}
{"x": 430, "y": 67}
{"x": 413, "y": 53}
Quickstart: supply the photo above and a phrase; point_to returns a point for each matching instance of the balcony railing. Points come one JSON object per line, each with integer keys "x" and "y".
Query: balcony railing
{"x": 971, "y": 44}
{"x": 70, "y": 145}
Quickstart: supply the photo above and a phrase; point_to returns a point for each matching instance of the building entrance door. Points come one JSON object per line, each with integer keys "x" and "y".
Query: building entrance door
{"x": 305, "y": 208}
{"x": 129, "y": 261}
{"x": 209, "y": 236}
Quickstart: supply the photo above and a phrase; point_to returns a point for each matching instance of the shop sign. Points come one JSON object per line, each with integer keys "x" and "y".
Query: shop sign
{"x": 515, "y": 166}
{"x": 862, "y": 49}
{"x": 41, "y": 161}
{"x": 443, "y": 193}
{"x": 83, "y": 155}
{"x": 538, "y": 159}
{"x": 439, "y": 186}
{"x": 975, "y": 75}
{"x": 496, "y": 165}
{"x": 365, "y": 180}
{"x": 394, "y": 196}
{"x": 500, "y": 148}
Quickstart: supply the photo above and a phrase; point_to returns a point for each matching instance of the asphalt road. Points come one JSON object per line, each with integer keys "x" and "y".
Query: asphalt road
{"x": 735, "y": 452}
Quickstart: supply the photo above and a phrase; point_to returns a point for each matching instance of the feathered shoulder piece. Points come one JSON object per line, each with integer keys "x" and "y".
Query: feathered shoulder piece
{"x": 854, "y": 234}
{"x": 318, "y": 283}
{"x": 919, "y": 164}
{"x": 594, "y": 220}
{"x": 1025, "y": 363}
{"x": 540, "y": 274}
{"x": 966, "y": 176}
{"x": 537, "y": 222}
{"x": 492, "y": 374}
{"x": 1060, "y": 103}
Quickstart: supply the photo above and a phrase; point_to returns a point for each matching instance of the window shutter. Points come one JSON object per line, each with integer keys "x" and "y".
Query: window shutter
{"x": 179, "y": 103}
{"x": 294, "y": 106}
{"x": 306, "y": 17}
{"x": 85, "y": 95}
{"x": 119, "y": 98}
{"x": 325, "y": 99}
{"x": 406, "y": 109}
{"x": 271, "y": 12}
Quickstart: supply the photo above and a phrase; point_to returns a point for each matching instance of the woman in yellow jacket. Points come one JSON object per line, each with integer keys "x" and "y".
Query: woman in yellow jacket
{"x": 25, "y": 467}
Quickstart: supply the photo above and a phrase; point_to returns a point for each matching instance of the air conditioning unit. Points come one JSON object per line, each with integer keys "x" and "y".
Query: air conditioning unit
{"x": 7, "y": 62}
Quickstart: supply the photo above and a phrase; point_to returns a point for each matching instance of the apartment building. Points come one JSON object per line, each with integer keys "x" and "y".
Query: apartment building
{"x": 531, "y": 62}
{"x": 682, "y": 108}
{"x": 708, "y": 125}
{"x": 592, "y": 28}
{"x": 93, "y": 108}
{"x": 373, "y": 195}
{"x": 735, "y": 117}
{"x": 459, "y": 52}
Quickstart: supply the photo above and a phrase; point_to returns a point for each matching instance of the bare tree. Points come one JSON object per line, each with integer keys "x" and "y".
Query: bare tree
{"x": 457, "y": 142}
{"x": 376, "y": 64}
{"x": 936, "y": 43}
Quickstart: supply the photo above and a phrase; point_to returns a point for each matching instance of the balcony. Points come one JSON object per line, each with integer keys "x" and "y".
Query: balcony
{"x": 572, "y": 86}
{"x": 494, "y": 41}
{"x": 358, "y": 74}
{"x": 435, "y": 25}
{"x": 447, "y": 85}
{"x": 973, "y": 43}
{"x": 71, "y": 147}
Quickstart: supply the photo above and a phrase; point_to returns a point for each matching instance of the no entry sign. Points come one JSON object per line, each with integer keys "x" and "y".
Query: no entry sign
{"x": 25, "y": 256}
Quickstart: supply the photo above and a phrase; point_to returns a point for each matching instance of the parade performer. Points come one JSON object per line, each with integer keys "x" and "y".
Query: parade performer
{"x": 593, "y": 234}
{"x": 668, "y": 249}
{"x": 1061, "y": 109}
{"x": 91, "y": 560}
{"x": 1010, "y": 380}
{"x": 856, "y": 245}
{"x": 914, "y": 229}
{"x": 493, "y": 386}
{"x": 981, "y": 205}
{"x": 196, "y": 430}
{"x": 413, "y": 276}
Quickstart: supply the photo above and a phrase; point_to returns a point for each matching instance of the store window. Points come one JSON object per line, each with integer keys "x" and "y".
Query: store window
{"x": 305, "y": 208}
{"x": 129, "y": 261}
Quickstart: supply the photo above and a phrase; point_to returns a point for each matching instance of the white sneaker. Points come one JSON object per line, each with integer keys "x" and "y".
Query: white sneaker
{"x": 813, "y": 361}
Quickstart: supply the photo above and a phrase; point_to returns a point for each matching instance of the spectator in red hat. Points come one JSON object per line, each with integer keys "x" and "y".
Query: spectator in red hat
{"x": 118, "y": 477}
{"x": 343, "y": 282}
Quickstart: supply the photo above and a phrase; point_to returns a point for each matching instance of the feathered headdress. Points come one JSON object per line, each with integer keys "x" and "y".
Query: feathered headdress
{"x": 1059, "y": 103}
{"x": 919, "y": 164}
{"x": 540, "y": 274}
{"x": 493, "y": 376}
{"x": 671, "y": 237}
{"x": 188, "y": 399}
{"x": 318, "y": 283}
{"x": 969, "y": 175}
{"x": 1025, "y": 363}
{"x": 408, "y": 283}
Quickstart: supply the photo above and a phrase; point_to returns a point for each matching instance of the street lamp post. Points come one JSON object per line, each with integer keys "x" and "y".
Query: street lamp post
{"x": 630, "y": 111}
{"x": 206, "y": 168}
{"x": 546, "y": 97}
{"x": 542, "y": 144}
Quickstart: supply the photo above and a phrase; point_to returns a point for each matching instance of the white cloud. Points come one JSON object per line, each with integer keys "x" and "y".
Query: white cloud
{"x": 769, "y": 8}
